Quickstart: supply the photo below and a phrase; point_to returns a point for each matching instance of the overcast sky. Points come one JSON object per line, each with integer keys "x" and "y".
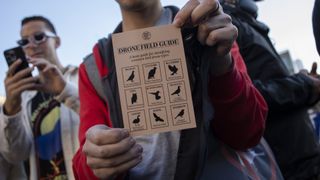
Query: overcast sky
{"x": 80, "y": 23}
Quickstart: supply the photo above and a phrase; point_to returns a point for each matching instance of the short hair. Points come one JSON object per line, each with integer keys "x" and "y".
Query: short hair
{"x": 47, "y": 22}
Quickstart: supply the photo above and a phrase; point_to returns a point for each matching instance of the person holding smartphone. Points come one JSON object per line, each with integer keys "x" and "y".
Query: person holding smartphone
{"x": 39, "y": 119}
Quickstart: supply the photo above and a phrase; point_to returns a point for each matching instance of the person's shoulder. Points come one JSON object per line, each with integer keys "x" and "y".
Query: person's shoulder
{"x": 88, "y": 60}
{"x": 71, "y": 69}
{"x": 88, "y": 57}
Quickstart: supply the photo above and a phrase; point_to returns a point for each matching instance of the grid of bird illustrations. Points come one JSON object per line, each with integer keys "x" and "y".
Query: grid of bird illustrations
{"x": 153, "y": 80}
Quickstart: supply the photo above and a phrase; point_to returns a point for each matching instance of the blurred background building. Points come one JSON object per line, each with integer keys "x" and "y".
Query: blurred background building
{"x": 294, "y": 66}
{"x": 2, "y": 98}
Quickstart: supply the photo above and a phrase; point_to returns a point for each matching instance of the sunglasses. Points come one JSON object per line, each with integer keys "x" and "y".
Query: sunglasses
{"x": 36, "y": 38}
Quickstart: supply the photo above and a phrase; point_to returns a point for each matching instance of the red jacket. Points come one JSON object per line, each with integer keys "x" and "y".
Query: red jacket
{"x": 240, "y": 110}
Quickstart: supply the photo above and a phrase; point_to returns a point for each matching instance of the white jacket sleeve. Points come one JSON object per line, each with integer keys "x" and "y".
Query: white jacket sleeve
{"x": 15, "y": 138}
{"x": 69, "y": 95}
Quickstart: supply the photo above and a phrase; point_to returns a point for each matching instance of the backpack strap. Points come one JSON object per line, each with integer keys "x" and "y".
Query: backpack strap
{"x": 105, "y": 46}
{"x": 94, "y": 76}
{"x": 100, "y": 54}
{"x": 105, "y": 83}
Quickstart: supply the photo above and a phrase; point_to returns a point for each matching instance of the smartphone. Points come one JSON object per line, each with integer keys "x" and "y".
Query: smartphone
{"x": 14, "y": 54}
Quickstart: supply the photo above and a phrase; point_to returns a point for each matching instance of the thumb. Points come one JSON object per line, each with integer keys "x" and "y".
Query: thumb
{"x": 314, "y": 68}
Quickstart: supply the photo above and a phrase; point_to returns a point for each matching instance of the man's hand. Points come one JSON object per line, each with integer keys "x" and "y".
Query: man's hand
{"x": 315, "y": 78}
{"x": 15, "y": 84}
{"x": 51, "y": 78}
{"x": 313, "y": 71}
{"x": 110, "y": 151}
{"x": 215, "y": 30}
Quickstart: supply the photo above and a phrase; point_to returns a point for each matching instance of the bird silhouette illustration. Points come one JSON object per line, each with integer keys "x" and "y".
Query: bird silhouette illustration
{"x": 136, "y": 121}
{"x": 177, "y": 91}
{"x": 131, "y": 77}
{"x": 180, "y": 114}
{"x": 173, "y": 69}
{"x": 152, "y": 72}
{"x": 157, "y": 118}
{"x": 156, "y": 95}
{"x": 134, "y": 98}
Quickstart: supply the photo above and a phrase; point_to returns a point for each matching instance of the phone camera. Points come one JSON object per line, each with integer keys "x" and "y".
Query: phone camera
{"x": 11, "y": 56}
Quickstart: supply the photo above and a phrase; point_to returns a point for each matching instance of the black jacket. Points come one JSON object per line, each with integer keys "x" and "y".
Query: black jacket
{"x": 288, "y": 129}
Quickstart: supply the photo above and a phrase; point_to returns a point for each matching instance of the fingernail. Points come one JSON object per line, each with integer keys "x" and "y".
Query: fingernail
{"x": 177, "y": 22}
{"x": 132, "y": 141}
{"x": 139, "y": 149}
{"x": 125, "y": 133}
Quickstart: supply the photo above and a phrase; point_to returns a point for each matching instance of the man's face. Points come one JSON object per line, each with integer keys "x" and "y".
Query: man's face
{"x": 135, "y": 5}
{"x": 45, "y": 48}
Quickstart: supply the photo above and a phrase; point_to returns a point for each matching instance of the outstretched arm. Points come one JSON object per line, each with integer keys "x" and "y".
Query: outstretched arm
{"x": 240, "y": 110}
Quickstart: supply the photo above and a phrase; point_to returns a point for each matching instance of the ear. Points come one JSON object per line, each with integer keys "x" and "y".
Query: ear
{"x": 57, "y": 42}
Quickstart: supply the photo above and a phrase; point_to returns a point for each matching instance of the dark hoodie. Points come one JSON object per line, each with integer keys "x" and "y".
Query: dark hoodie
{"x": 288, "y": 128}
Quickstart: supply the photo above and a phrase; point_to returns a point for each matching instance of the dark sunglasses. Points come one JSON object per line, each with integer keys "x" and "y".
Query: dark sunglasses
{"x": 36, "y": 38}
